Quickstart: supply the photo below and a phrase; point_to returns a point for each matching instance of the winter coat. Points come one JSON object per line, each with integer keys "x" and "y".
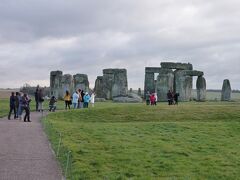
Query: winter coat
{"x": 75, "y": 97}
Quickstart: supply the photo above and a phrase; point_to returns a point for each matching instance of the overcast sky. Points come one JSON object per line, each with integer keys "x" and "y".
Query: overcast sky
{"x": 78, "y": 36}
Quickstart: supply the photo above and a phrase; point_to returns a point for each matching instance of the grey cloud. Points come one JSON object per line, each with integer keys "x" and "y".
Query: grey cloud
{"x": 87, "y": 36}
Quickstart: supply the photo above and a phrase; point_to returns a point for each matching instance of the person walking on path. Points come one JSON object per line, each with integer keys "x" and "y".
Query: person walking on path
{"x": 19, "y": 108}
{"x": 25, "y": 103}
{"x": 36, "y": 94}
{"x": 40, "y": 100}
{"x": 75, "y": 98}
{"x": 12, "y": 106}
{"x": 67, "y": 99}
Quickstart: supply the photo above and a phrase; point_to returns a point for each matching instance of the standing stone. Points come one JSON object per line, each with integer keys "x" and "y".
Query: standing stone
{"x": 115, "y": 83}
{"x": 149, "y": 83}
{"x": 99, "y": 87}
{"x": 139, "y": 92}
{"x": 67, "y": 84}
{"x": 226, "y": 90}
{"x": 56, "y": 83}
{"x": 201, "y": 88}
{"x": 183, "y": 85}
{"x": 80, "y": 81}
{"x": 165, "y": 81}
{"x": 131, "y": 90}
{"x": 120, "y": 85}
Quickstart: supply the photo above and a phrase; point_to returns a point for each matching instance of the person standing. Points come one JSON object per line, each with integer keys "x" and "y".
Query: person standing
{"x": 19, "y": 109}
{"x": 148, "y": 98}
{"x": 67, "y": 99}
{"x": 86, "y": 99}
{"x": 36, "y": 93}
{"x": 52, "y": 104}
{"x": 25, "y": 103}
{"x": 82, "y": 102}
{"x": 170, "y": 97}
{"x": 75, "y": 98}
{"x": 12, "y": 106}
{"x": 176, "y": 98}
{"x": 156, "y": 99}
{"x": 80, "y": 98}
{"x": 40, "y": 100}
{"x": 152, "y": 99}
{"x": 92, "y": 99}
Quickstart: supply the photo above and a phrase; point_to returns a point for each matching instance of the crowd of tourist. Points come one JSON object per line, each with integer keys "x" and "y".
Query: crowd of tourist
{"x": 151, "y": 99}
{"x": 19, "y": 103}
{"x": 79, "y": 99}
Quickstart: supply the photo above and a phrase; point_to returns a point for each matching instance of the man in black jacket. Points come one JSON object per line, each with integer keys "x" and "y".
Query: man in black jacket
{"x": 12, "y": 106}
{"x": 36, "y": 94}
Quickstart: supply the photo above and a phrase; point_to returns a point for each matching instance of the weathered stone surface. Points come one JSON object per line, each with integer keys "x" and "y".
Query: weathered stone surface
{"x": 131, "y": 90}
{"x": 80, "y": 81}
{"x": 152, "y": 69}
{"x": 115, "y": 83}
{"x": 149, "y": 84}
{"x": 131, "y": 98}
{"x": 201, "y": 88}
{"x": 192, "y": 73}
{"x": 165, "y": 82}
{"x": 100, "y": 100}
{"x": 67, "y": 84}
{"x": 178, "y": 66}
{"x": 56, "y": 83}
{"x": 139, "y": 92}
{"x": 183, "y": 85}
{"x": 226, "y": 91}
{"x": 99, "y": 87}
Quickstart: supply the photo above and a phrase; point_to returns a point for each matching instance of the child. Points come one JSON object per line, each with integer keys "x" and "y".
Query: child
{"x": 52, "y": 104}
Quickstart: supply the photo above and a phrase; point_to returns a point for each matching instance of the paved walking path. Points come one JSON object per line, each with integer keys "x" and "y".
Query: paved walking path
{"x": 25, "y": 153}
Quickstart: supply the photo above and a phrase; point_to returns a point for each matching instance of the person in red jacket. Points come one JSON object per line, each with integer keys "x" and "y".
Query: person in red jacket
{"x": 152, "y": 99}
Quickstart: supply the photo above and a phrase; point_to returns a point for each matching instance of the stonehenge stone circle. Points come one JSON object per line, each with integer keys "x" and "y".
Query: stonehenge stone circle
{"x": 226, "y": 90}
{"x": 80, "y": 81}
{"x": 165, "y": 81}
{"x": 177, "y": 77}
{"x": 113, "y": 85}
{"x": 99, "y": 87}
{"x": 201, "y": 88}
{"x": 56, "y": 83}
{"x": 59, "y": 83}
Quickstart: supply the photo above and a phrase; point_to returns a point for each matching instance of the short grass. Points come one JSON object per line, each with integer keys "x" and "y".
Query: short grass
{"x": 134, "y": 141}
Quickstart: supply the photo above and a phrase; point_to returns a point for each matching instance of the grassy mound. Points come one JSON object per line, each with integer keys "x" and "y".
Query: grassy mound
{"x": 119, "y": 141}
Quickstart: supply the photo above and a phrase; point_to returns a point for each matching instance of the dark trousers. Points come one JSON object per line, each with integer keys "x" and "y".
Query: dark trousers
{"x": 67, "y": 104}
{"x": 36, "y": 105}
{"x": 27, "y": 113}
{"x": 85, "y": 105}
{"x": 147, "y": 102}
{"x": 12, "y": 108}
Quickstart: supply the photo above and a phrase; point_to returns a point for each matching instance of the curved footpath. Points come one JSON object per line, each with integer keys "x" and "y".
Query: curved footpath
{"x": 25, "y": 153}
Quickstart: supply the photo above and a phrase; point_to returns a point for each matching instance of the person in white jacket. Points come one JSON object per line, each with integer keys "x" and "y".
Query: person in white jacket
{"x": 92, "y": 100}
{"x": 75, "y": 98}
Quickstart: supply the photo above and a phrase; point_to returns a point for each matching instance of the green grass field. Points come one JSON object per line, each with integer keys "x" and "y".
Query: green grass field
{"x": 133, "y": 141}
